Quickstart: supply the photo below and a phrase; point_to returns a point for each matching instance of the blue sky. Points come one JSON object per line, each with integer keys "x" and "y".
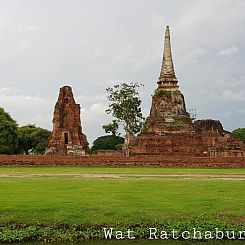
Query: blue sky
{"x": 93, "y": 44}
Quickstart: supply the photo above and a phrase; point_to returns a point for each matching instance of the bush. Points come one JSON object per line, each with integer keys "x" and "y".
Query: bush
{"x": 8, "y": 133}
{"x": 239, "y": 133}
{"x": 162, "y": 93}
{"x": 108, "y": 142}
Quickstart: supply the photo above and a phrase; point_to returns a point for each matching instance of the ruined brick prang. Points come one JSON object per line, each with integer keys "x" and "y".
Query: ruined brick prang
{"x": 67, "y": 137}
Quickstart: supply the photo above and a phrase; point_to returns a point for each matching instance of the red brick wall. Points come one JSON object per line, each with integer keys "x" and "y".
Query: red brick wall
{"x": 25, "y": 160}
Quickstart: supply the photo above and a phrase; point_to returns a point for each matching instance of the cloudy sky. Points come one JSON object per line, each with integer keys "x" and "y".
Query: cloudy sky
{"x": 93, "y": 44}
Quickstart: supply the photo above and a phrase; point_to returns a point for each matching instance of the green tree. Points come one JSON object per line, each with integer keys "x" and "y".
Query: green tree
{"x": 32, "y": 139}
{"x": 42, "y": 135}
{"x": 239, "y": 133}
{"x": 124, "y": 106}
{"x": 108, "y": 142}
{"x": 111, "y": 127}
{"x": 8, "y": 133}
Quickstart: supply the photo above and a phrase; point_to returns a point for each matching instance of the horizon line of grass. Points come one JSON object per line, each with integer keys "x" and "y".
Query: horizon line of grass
{"x": 117, "y": 169}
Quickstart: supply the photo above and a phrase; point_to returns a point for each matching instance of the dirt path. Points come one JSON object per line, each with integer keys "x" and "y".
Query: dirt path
{"x": 120, "y": 176}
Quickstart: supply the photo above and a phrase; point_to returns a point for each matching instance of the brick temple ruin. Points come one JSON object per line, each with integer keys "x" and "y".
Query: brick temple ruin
{"x": 170, "y": 130}
{"x": 67, "y": 137}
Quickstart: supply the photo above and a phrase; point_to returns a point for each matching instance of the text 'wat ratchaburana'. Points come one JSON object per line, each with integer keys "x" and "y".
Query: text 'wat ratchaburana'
{"x": 170, "y": 130}
{"x": 67, "y": 137}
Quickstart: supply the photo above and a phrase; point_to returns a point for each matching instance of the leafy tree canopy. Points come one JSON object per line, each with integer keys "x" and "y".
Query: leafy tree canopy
{"x": 111, "y": 128}
{"x": 8, "y": 133}
{"x": 108, "y": 142}
{"x": 32, "y": 139}
{"x": 239, "y": 133}
{"x": 124, "y": 106}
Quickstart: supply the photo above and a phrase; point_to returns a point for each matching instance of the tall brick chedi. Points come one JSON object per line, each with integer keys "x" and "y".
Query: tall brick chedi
{"x": 169, "y": 129}
{"x": 168, "y": 111}
{"x": 67, "y": 136}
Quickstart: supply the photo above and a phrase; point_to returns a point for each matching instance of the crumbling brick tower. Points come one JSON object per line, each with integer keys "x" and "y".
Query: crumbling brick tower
{"x": 169, "y": 129}
{"x": 67, "y": 136}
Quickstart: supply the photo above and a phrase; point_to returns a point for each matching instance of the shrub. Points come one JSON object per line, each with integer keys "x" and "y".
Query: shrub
{"x": 108, "y": 142}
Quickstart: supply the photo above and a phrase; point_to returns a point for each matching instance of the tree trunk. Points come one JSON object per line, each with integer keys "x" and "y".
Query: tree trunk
{"x": 127, "y": 142}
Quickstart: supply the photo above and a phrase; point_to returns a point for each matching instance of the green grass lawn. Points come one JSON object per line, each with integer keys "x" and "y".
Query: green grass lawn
{"x": 127, "y": 200}
{"x": 125, "y": 170}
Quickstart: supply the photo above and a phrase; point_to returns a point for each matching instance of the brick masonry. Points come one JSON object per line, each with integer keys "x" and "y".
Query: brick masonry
{"x": 93, "y": 160}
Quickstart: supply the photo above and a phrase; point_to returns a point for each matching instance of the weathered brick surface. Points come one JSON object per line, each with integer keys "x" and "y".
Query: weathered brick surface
{"x": 217, "y": 162}
{"x": 197, "y": 144}
{"x": 67, "y": 135}
{"x": 168, "y": 114}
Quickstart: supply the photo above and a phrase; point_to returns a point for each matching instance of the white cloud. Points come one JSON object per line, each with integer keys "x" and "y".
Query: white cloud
{"x": 26, "y": 108}
{"x": 27, "y": 29}
{"x": 8, "y": 91}
{"x": 227, "y": 114}
{"x": 18, "y": 98}
{"x": 229, "y": 51}
{"x": 242, "y": 111}
{"x": 192, "y": 55}
{"x": 85, "y": 99}
{"x": 93, "y": 118}
{"x": 231, "y": 83}
{"x": 232, "y": 96}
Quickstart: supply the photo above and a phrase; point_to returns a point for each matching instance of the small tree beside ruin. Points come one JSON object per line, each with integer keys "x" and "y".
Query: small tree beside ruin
{"x": 124, "y": 106}
{"x": 111, "y": 128}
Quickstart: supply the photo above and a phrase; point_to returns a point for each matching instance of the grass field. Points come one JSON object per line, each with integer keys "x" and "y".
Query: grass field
{"x": 127, "y": 200}
{"x": 126, "y": 170}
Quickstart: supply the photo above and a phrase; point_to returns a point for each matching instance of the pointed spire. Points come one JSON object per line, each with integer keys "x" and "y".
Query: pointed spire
{"x": 167, "y": 79}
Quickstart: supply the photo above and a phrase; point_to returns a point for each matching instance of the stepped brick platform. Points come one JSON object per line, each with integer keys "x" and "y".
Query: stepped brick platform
{"x": 114, "y": 161}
